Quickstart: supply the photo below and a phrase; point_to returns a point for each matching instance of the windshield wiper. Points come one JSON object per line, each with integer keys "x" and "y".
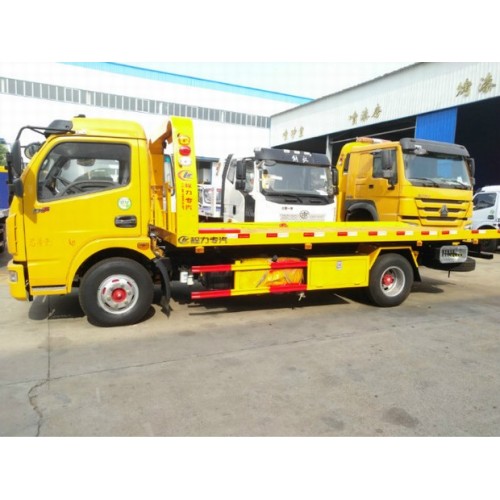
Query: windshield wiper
{"x": 431, "y": 182}
{"x": 460, "y": 184}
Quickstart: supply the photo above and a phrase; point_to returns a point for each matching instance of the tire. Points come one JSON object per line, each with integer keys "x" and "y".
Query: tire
{"x": 464, "y": 267}
{"x": 116, "y": 292}
{"x": 489, "y": 246}
{"x": 391, "y": 279}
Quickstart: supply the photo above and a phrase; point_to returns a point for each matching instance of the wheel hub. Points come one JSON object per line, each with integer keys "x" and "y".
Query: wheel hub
{"x": 118, "y": 294}
{"x": 388, "y": 279}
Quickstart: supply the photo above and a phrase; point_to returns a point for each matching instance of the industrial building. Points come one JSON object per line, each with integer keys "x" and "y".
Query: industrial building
{"x": 452, "y": 102}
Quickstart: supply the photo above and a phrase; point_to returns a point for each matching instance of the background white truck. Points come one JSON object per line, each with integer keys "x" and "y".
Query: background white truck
{"x": 486, "y": 214}
{"x": 278, "y": 185}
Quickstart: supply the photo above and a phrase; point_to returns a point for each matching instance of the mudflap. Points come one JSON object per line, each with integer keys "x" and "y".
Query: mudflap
{"x": 163, "y": 265}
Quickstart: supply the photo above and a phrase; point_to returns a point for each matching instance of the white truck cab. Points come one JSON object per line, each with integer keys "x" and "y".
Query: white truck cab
{"x": 278, "y": 186}
{"x": 486, "y": 213}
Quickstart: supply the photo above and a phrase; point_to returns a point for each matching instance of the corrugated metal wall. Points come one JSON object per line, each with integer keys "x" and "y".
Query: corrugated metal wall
{"x": 437, "y": 126}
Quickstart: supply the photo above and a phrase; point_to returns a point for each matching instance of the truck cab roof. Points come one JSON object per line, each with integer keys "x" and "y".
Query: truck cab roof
{"x": 489, "y": 189}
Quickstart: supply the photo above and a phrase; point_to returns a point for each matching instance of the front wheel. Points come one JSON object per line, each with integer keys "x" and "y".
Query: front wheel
{"x": 391, "y": 279}
{"x": 116, "y": 292}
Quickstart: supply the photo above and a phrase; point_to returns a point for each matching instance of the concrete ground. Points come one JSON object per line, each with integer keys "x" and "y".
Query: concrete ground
{"x": 329, "y": 365}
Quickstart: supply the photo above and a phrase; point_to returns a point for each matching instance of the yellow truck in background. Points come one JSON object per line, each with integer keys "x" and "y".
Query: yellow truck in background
{"x": 417, "y": 181}
{"x": 99, "y": 208}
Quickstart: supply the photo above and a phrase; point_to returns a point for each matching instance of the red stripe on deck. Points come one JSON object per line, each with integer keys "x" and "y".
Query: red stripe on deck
{"x": 288, "y": 265}
{"x": 297, "y": 287}
{"x": 216, "y": 231}
{"x": 211, "y": 294}
{"x": 217, "y": 268}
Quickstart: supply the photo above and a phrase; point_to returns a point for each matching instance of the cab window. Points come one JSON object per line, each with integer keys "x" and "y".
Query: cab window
{"x": 73, "y": 169}
{"x": 231, "y": 173}
{"x": 484, "y": 200}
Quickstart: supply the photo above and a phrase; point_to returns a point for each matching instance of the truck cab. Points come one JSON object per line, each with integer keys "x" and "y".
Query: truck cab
{"x": 486, "y": 213}
{"x": 420, "y": 182}
{"x": 278, "y": 185}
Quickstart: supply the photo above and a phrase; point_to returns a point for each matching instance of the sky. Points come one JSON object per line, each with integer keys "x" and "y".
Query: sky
{"x": 304, "y": 79}
{"x": 307, "y": 49}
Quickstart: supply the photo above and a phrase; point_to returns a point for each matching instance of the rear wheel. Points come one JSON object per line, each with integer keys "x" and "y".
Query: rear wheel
{"x": 116, "y": 292}
{"x": 391, "y": 279}
{"x": 489, "y": 245}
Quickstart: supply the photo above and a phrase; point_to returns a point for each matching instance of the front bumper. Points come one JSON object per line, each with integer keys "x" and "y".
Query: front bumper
{"x": 17, "y": 281}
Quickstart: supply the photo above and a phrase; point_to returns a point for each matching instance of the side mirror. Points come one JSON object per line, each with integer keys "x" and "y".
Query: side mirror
{"x": 239, "y": 183}
{"x": 240, "y": 171}
{"x": 15, "y": 159}
{"x": 31, "y": 149}
{"x": 17, "y": 188}
{"x": 389, "y": 171}
{"x": 472, "y": 169}
{"x": 387, "y": 161}
{"x": 242, "y": 166}
{"x": 335, "y": 181}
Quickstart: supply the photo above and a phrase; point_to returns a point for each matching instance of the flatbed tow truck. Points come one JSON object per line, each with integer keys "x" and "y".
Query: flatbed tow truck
{"x": 93, "y": 210}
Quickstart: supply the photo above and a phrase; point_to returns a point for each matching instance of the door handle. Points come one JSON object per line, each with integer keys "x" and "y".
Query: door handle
{"x": 126, "y": 221}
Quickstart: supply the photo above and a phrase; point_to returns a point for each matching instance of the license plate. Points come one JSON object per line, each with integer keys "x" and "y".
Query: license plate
{"x": 451, "y": 254}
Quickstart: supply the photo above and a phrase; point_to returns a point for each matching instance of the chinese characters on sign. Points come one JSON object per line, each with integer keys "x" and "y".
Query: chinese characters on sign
{"x": 485, "y": 85}
{"x": 202, "y": 240}
{"x": 365, "y": 115}
{"x": 464, "y": 88}
{"x": 295, "y": 133}
{"x": 187, "y": 197}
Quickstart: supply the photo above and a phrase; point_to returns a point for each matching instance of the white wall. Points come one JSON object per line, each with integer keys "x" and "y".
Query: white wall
{"x": 213, "y": 139}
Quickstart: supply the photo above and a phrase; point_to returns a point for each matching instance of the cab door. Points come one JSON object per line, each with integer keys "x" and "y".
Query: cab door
{"x": 81, "y": 195}
{"x": 376, "y": 183}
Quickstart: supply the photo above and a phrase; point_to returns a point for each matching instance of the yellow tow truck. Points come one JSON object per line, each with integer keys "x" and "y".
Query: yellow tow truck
{"x": 99, "y": 208}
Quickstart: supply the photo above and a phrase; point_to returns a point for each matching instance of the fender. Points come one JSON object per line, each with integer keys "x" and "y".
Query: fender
{"x": 352, "y": 206}
{"x": 141, "y": 246}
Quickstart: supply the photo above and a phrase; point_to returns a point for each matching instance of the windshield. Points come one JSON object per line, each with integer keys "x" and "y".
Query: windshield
{"x": 290, "y": 178}
{"x": 437, "y": 170}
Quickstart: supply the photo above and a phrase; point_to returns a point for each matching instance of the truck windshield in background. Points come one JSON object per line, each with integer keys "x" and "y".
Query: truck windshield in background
{"x": 299, "y": 180}
{"x": 437, "y": 170}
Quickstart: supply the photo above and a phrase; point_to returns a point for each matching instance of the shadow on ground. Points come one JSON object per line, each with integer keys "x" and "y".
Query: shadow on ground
{"x": 68, "y": 306}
